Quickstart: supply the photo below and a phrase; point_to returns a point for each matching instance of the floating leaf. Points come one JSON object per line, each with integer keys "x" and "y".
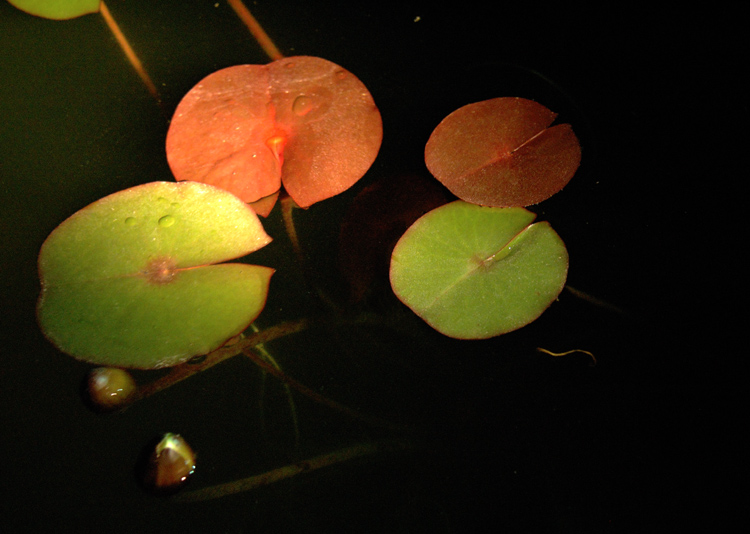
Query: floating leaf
{"x": 474, "y": 272}
{"x": 502, "y": 152}
{"x": 303, "y": 121}
{"x": 57, "y": 9}
{"x": 128, "y": 281}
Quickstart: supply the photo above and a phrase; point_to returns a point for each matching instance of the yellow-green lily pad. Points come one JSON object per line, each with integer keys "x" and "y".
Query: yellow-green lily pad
{"x": 57, "y": 9}
{"x": 131, "y": 280}
{"x": 474, "y": 272}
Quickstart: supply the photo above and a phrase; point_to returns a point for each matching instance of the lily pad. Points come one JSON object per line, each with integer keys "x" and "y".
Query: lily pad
{"x": 57, "y": 9}
{"x": 130, "y": 280}
{"x": 474, "y": 272}
{"x": 303, "y": 121}
{"x": 502, "y": 152}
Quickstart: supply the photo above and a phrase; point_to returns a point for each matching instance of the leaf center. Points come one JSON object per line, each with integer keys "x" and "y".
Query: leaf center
{"x": 160, "y": 270}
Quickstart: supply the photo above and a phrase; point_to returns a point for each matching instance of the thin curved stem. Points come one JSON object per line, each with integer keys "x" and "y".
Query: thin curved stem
{"x": 267, "y": 357}
{"x": 320, "y": 399}
{"x": 573, "y": 351}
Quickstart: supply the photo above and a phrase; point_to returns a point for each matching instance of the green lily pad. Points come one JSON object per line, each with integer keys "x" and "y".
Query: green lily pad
{"x": 473, "y": 272}
{"x": 129, "y": 280}
{"x": 57, "y": 9}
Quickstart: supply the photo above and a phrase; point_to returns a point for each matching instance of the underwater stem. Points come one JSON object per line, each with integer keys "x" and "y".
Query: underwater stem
{"x": 266, "y": 356}
{"x": 320, "y": 399}
{"x": 186, "y": 370}
{"x": 288, "y": 471}
{"x": 594, "y": 300}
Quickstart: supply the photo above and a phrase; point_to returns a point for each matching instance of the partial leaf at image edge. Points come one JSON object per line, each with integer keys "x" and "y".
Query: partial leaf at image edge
{"x": 57, "y": 9}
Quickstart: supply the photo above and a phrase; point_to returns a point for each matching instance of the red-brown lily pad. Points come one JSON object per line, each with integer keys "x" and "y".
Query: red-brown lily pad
{"x": 301, "y": 121}
{"x": 503, "y": 152}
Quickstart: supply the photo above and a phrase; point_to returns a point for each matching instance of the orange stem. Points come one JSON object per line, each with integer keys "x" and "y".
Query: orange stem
{"x": 129, "y": 53}
{"x": 256, "y": 29}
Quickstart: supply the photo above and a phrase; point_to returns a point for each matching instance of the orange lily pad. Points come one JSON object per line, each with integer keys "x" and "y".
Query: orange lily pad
{"x": 301, "y": 121}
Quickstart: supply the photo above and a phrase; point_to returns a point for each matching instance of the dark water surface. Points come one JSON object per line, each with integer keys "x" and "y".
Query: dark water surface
{"x": 507, "y": 435}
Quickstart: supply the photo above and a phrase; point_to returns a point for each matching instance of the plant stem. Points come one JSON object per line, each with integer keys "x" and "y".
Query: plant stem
{"x": 128, "y": 50}
{"x": 266, "y": 356}
{"x": 287, "y": 215}
{"x": 594, "y": 300}
{"x": 256, "y": 29}
{"x": 557, "y": 354}
{"x": 186, "y": 370}
{"x": 320, "y": 399}
{"x": 288, "y": 471}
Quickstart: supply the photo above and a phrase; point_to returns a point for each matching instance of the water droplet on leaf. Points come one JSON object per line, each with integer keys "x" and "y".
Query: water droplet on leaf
{"x": 302, "y": 105}
{"x": 166, "y": 221}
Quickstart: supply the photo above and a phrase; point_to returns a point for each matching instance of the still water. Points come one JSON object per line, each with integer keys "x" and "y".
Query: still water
{"x": 498, "y": 431}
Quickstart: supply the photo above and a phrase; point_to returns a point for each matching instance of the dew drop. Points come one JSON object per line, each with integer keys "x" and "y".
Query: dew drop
{"x": 302, "y": 105}
{"x": 166, "y": 221}
{"x": 130, "y": 221}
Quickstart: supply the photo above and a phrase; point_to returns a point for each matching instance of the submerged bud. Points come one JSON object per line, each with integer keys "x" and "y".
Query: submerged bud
{"x": 109, "y": 388}
{"x": 169, "y": 465}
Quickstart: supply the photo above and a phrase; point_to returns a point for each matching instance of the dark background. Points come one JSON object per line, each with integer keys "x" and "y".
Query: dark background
{"x": 643, "y": 441}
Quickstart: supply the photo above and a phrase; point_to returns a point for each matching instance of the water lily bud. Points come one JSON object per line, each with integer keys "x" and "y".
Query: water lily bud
{"x": 109, "y": 388}
{"x": 170, "y": 464}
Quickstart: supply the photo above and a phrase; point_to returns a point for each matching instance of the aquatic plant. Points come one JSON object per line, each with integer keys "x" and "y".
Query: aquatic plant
{"x": 136, "y": 280}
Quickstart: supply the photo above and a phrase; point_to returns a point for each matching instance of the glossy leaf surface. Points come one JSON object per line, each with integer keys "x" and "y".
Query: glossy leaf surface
{"x": 473, "y": 272}
{"x": 503, "y": 152}
{"x": 57, "y": 9}
{"x": 303, "y": 121}
{"x": 129, "y": 280}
